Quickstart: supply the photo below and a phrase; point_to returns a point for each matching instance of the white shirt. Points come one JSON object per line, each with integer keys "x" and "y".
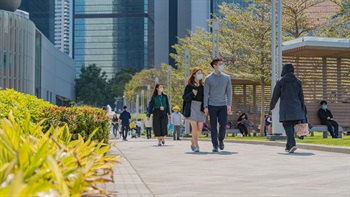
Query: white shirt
{"x": 176, "y": 118}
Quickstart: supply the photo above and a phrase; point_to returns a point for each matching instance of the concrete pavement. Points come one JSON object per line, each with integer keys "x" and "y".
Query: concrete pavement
{"x": 240, "y": 170}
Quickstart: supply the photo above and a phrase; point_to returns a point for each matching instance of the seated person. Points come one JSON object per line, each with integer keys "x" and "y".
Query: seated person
{"x": 241, "y": 126}
{"x": 326, "y": 118}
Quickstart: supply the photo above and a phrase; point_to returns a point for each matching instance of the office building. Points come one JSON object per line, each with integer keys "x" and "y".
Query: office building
{"x": 30, "y": 63}
{"x": 113, "y": 34}
{"x": 42, "y": 13}
{"x": 63, "y": 26}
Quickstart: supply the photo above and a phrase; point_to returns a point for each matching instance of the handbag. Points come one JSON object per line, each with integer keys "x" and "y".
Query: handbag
{"x": 302, "y": 129}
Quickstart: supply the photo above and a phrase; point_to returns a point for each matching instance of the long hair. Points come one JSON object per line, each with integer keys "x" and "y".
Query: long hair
{"x": 191, "y": 79}
{"x": 155, "y": 91}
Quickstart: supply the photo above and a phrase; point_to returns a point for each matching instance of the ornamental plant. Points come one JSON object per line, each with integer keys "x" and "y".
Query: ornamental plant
{"x": 21, "y": 104}
{"x": 34, "y": 163}
{"x": 80, "y": 120}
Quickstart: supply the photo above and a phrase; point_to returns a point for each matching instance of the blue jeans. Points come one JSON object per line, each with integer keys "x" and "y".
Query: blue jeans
{"x": 289, "y": 128}
{"x": 217, "y": 114}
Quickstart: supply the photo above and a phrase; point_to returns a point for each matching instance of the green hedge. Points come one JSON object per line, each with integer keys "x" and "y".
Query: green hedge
{"x": 80, "y": 120}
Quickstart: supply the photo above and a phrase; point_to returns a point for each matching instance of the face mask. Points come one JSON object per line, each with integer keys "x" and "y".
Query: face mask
{"x": 324, "y": 107}
{"x": 221, "y": 68}
{"x": 161, "y": 89}
{"x": 175, "y": 111}
{"x": 199, "y": 76}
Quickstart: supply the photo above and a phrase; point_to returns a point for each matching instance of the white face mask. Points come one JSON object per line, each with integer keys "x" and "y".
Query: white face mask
{"x": 161, "y": 89}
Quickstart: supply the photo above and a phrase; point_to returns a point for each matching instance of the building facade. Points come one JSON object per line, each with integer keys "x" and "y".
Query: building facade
{"x": 30, "y": 63}
{"x": 113, "y": 34}
{"x": 42, "y": 13}
{"x": 63, "y": 26}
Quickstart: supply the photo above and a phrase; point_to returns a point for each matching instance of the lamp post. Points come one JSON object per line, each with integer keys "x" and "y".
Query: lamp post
{"x": 276, "y": 61}
{"x": 215, "y": 39}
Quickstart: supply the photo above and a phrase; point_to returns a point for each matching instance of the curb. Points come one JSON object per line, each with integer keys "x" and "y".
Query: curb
{"x": 334, "y": 149}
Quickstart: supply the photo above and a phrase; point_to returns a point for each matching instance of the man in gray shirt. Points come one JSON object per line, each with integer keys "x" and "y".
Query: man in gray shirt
{"x": 217, "y": 102}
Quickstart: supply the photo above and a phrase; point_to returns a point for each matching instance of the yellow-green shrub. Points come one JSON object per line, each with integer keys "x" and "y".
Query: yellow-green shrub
{"x": 21, "y": 104}
{"x": 33, "y": 163}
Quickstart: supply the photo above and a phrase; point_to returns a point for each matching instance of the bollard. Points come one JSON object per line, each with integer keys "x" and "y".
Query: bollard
{"x": 340, "y": 134}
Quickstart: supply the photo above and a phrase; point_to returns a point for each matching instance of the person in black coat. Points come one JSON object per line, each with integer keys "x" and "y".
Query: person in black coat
{"x": 292, "y": 109}
{"x": 326, "y": 118}
{"x": 241, "y": 126}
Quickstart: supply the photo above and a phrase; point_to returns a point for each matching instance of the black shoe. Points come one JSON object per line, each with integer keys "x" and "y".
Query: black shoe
{"x": 291, "y": 150}
{"x": 334, "y": 136}
{"x": 215, "y": 150}
{"x": 221, "y": 145}
{"x": 301, "y": 137}
{"x": 178, "y": 139}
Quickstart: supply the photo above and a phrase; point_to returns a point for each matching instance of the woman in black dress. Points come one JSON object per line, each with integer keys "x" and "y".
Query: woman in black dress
{"x": 159, "y": 107}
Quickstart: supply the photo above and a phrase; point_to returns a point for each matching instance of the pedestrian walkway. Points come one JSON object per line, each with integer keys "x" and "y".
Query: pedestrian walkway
{"x": 242, "y": 170}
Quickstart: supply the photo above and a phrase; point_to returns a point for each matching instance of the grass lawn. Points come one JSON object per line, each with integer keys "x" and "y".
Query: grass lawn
{"x": 317, "y": 139}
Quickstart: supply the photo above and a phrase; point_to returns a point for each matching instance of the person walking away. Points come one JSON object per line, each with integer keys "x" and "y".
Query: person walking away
{"x": 115, "y": 124}
{"x": 326, "y": 118}
{"x": 193, "y": 108}
{"x": 159, "y": 107}
{"x": 241, "y": 126}
{"x": 125, "y": 122}
{"x": 148, "y": 125}
{"x": 176, "y": 120}
{"x": 217, "y": 101}
{"x": 292, "y": 109}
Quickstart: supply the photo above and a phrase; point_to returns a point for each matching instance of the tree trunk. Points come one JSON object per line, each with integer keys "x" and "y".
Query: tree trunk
{"x": 262, "y": 108}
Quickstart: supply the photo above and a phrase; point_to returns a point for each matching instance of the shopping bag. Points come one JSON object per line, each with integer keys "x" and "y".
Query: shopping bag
{"x": 302, "y": 129}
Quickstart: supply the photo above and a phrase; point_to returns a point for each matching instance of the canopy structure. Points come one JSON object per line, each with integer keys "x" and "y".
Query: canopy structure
{"x": 323, "y": 65}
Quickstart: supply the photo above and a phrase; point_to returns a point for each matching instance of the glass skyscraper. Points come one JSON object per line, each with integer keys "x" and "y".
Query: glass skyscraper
{"x": 113, "y": 34}
{"x": 42, "y": 13}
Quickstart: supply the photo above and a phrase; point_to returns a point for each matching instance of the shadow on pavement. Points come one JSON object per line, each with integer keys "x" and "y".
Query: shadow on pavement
{"x": 298, "y": 154}
{"x": 207, "y": 153}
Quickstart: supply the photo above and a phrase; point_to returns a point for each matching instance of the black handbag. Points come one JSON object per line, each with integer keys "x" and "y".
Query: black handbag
{"x": 186, "y": 109}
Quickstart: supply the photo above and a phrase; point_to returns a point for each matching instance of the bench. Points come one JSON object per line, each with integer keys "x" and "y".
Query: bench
{"x": 341, "y": 114}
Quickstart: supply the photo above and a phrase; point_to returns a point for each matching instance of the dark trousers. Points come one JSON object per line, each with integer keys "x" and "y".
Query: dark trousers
{"x": 217, "y": 114}
{"x": 148, "y": 132}
{"x": 289, "y": 128}
{"x": 243, "y": 129}
{"x": 115, "y": 129}
{"x": 177, "y": 129}
{"x": 138, "y": 131}
{"x": 125, "y": 130}
{"x": 330, "y": 124}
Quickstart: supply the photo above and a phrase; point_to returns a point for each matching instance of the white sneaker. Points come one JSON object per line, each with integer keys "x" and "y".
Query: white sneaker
{"x": 291, "y": 150}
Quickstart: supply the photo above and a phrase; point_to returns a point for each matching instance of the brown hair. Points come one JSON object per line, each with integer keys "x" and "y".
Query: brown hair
{"x": 191, "y": 79}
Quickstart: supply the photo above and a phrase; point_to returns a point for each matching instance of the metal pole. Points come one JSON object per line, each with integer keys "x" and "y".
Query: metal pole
{"x": 215, "y": 39}
{"x": 273, "y": 55}
{"x": 148, "y": 94}
{"x": 137, "y": 107}
{"x": 142, "y": 101}
{"x": 279, "y": 37}
{"x": 186, "y": 64}
{"x": 170, "y": 84}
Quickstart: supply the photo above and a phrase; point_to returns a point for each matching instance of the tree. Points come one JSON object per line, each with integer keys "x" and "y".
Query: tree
{"x": 91, "y": 86}
{"x": 121, "y": 78}
{"x": 147, "y": 77}
{"x": 339, "y": 26}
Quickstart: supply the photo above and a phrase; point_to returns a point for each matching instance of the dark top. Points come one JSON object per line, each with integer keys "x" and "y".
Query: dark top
{"x": 115, "y": 121}
{"x": 290, "y": 91}
{"x": 188, "y": 96}
{"x": 125, "y": 117}
{"x": 324, "y": 114}
{"x": 156, "y": 102}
